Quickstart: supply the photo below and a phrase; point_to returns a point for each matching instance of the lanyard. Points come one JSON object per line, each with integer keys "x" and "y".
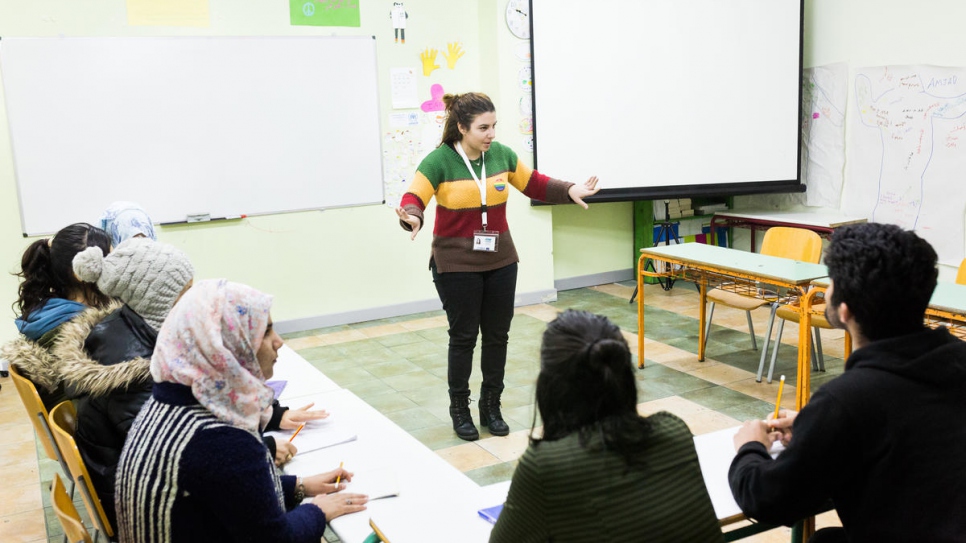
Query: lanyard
{"x": 479, "y": 183}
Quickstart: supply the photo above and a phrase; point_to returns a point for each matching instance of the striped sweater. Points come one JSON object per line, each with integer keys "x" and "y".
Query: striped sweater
{"x": 186, "y": 476}
{"x": 458, "y": 212}
{"x": 562, "y": 492}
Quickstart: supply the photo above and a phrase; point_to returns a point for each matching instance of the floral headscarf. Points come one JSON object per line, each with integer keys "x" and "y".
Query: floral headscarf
{"x": 209, "y": 342}
{"x": 124, "y": 220}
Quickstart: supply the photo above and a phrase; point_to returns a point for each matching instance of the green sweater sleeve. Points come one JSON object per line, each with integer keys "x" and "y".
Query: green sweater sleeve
{"x": 524, "y": 515}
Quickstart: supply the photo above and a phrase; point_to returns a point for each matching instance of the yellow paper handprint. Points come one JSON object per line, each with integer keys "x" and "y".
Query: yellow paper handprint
{"x": 453, "y": 53}
{"x": 429, "y": 61}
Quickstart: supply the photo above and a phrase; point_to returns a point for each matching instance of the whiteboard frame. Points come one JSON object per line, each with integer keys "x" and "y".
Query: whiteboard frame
{"x": 255, "y": 152}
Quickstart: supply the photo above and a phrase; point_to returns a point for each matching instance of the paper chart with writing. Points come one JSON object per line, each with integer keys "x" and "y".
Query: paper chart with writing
{"x": 907, "y": 152}
{"x": 824, "y": 96}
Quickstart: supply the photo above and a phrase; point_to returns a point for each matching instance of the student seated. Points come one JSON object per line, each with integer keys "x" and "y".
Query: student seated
{"x": 193, "y": 467}
{"x": 883, "y": 441}
{"x": 601, "y": 472}
{"x": 103, "y": 355}
{"x": 49, "y": 296}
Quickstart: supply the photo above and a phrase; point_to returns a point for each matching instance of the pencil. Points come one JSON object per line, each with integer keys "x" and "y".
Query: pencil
{"x": 778, "y": 402}
{"x": 299, "y": 429}
{"x": 339, "y": 477}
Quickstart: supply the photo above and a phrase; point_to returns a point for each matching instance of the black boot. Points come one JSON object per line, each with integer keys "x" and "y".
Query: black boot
{"x": 459, "y": 411}
{"x": 490, "y": 413}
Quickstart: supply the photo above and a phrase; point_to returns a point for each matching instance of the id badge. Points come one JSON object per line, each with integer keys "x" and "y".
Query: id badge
{"x": 485, "y": 241}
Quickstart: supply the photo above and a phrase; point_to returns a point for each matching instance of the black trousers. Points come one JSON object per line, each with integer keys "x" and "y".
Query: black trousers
{"x": 477, "y": 302}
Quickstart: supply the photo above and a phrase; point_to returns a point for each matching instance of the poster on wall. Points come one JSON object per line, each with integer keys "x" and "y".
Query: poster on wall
{"x": 324, "y": 13}
{"x": 824, "y": 95}
{"x": 169, "y": 13}
{"x": 908, "y": 152}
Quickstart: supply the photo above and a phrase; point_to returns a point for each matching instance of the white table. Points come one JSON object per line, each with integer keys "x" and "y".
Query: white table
{"x": 824, "y": 221}
{"x": 434, "y": 496}
{"x": 303, "y": 378}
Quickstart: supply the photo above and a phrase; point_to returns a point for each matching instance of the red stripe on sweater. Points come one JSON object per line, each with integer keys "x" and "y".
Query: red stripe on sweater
{"x": 537, "y": 186}
{"x": 411, "y": 199}
{"x": 462, "y": 223}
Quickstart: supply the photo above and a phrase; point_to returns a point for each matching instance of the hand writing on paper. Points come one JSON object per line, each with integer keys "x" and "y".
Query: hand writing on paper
{"x": 411, "y": 220}
{"x": 284, "y": 451}
{"x": 292, "y": 418}
{"x": 429, "y": 61}
{"x": 453, "y": 53}
{"x": 783, "y": 424}
{"x": 754, "y": 430}
{"x": 578, "y": 192}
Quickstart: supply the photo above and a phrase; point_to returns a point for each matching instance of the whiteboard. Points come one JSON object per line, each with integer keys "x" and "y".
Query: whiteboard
{"x": 669, "y": 97}
{"x": 226, "y": 126}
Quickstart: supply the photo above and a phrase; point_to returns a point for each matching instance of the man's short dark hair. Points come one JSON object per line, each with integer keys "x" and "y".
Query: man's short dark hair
{"x": 884, "y": 274}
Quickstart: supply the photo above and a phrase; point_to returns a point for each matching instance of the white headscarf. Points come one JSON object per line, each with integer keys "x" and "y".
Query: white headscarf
{"x": 209, "y": 342}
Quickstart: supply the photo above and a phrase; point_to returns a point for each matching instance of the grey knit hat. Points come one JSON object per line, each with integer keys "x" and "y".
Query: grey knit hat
{"x": 145, "y": 274}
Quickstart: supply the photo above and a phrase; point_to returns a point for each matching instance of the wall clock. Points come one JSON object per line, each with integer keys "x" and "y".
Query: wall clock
{"x": 518, "y": 18}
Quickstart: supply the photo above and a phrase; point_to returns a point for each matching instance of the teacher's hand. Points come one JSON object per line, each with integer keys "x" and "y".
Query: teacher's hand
{"x": 577, "y": 192}
{"x": 412, "y": 221}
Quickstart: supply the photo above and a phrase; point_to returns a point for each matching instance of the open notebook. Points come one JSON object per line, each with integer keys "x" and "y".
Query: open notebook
{"x": 317, "y": 435}
{"x": 376, "y": 483}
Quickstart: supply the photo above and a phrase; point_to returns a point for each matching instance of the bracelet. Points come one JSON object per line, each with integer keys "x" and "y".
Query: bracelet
{"x": 299, "y": 490}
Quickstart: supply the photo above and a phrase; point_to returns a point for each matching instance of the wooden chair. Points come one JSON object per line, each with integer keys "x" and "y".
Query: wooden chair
{"x": 40, "y": 419}
{"x": 819, "y": 322}
{"x": 74, "y": 530}
{"x": 792, "y": 243}
{"x": 63, "y": 423}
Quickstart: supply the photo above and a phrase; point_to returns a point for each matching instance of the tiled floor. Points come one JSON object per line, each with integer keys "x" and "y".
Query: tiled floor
{"x": 399, "y": 367}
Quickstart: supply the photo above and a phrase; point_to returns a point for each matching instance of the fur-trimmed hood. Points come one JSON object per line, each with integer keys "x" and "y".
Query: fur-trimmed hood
{"x": 33, "y": 361}
{"x": 83, "y": 375}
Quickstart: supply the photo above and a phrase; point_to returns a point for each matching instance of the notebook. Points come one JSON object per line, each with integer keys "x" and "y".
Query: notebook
{"x": 376, "y": 483}
{"x": 317, "y": 435}
{"x": 490, "y": 514}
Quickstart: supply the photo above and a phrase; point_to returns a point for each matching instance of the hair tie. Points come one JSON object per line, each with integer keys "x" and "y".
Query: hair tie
{"x": 50, "y": 241}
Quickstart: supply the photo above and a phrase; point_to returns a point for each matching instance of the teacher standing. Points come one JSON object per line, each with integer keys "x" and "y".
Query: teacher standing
{"x": 474, "y": 261}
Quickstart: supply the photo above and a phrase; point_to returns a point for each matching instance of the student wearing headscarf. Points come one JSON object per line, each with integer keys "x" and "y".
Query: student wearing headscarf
{"x": 193, "y": 467}
{"x": 126, "y": 220}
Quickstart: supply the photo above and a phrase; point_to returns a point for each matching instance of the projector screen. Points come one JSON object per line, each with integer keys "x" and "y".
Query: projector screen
{"x": 668, "y": 98}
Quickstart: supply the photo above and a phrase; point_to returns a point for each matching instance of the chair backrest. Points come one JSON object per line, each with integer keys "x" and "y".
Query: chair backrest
{"x": 961, "y": 274}
{"x": 794, "y": 243}
{"x": 63, "y": 423}
{"x": 67, "y": 514}
{"x": 35, "y": 410}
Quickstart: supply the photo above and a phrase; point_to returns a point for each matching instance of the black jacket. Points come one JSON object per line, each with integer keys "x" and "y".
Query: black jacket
{"x": 104, "y": 360}
{"x": 885, "y": 441}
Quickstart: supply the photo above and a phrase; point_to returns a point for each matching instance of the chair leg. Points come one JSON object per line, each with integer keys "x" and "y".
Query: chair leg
{"x": 764, "y": 350}
{"x": 751, "y": 330}
{"x": 818, "y": 348}
{"x": 774, "y": 352}
{"x": 707, "y": 329}
{"x": 811, "y": 349}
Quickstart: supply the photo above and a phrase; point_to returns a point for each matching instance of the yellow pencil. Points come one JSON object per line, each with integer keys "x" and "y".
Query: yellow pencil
{"x": 778, "y": 402}
{"x": 299, "y": 429}
{"x": 339, "y": 477}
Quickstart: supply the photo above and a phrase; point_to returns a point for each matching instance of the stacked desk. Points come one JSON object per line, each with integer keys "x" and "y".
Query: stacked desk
{"x": 821, "y": 220}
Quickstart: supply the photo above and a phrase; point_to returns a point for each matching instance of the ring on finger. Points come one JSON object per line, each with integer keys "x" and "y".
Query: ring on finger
{"x": 348, "y": 502}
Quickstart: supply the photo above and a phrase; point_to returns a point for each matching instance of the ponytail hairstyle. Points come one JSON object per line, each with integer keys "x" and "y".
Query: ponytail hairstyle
{"x": 47, "y": 270}
{"x": 586, "y": 384}
{"x": 462, "y": 109}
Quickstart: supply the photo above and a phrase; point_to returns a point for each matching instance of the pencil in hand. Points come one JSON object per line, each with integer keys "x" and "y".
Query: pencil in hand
{"x": 297, "y": 430}
{"x": 778, "y": 402}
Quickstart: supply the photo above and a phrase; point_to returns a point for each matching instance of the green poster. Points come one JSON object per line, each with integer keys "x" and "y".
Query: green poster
{"x": 325, "y": 12}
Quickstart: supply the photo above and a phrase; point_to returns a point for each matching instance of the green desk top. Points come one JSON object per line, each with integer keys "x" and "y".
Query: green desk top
{"x": 767, "y": 267}
{"x": 949, "y": 297}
